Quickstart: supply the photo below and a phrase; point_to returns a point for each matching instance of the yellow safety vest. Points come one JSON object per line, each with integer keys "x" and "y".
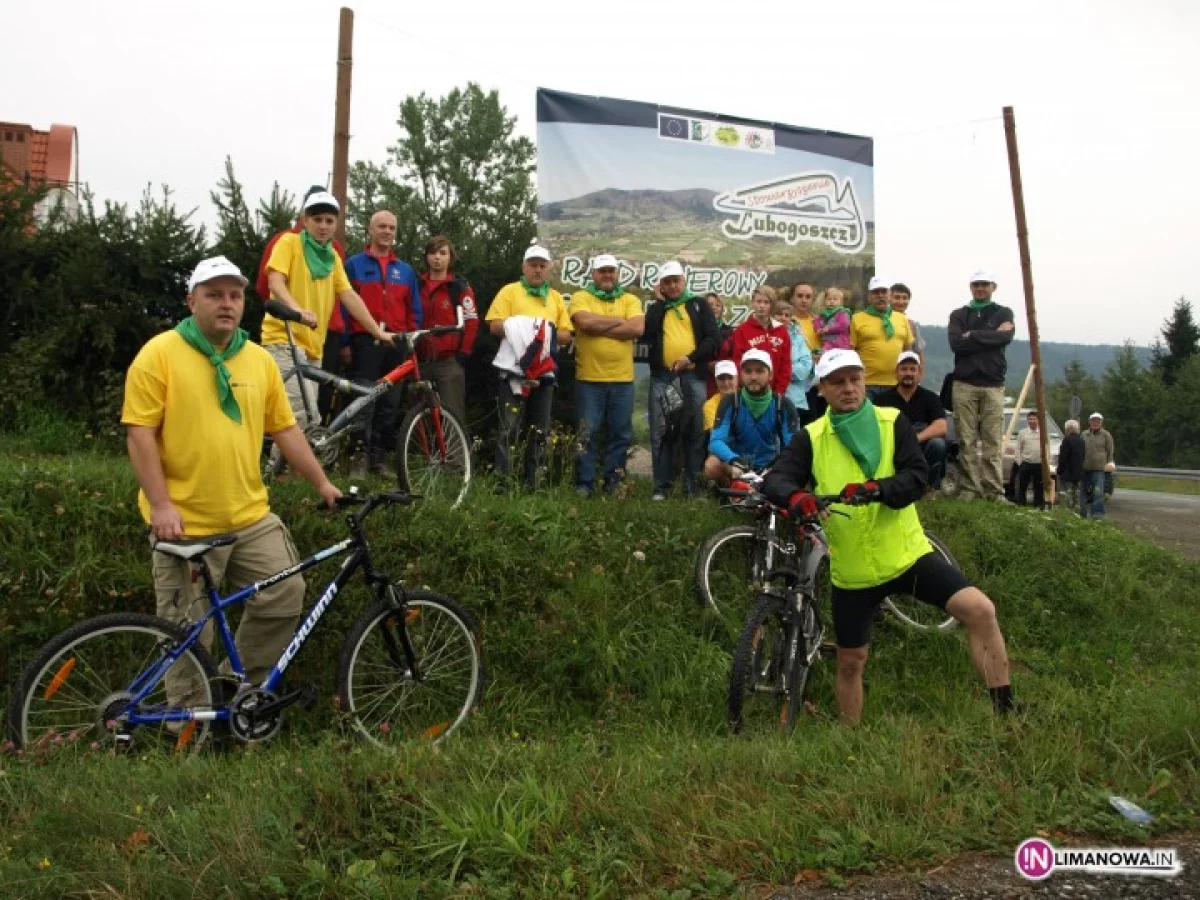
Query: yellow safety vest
{"x": 876, "y": 543}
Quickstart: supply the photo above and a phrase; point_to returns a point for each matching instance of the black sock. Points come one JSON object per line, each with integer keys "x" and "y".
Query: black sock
{"x": 1002, "y": 698}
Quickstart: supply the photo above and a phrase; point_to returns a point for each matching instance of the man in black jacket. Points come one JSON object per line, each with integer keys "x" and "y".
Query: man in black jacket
{"x": 681, "y": 334}
{"x": 978, "y": 334}
{"x": 1069, "y": 473}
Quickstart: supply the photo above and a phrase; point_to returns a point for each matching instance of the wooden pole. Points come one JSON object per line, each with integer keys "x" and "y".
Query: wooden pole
{"x": 1035, "y": 347}
{"x": 341, "y": 115}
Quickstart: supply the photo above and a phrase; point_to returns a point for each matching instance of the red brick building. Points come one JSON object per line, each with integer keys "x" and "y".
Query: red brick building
{"x": 37, "y": 158}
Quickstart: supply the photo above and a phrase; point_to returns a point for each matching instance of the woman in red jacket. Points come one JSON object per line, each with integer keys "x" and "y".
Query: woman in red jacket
{"x": 761, "y": 332}
{"x": 443, "y": 358}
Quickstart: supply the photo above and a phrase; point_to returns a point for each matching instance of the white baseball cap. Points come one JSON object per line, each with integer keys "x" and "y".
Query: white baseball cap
{"x": 909, "y": 355}
{"x": 605, "y": 261}
{"x": 761, "y": 356}
{"x": 878, "y": 284}
{"x": 669, "y": 269}
{"x": 215, "y": 267}
{"x": 832, "y": 360}
{"x": 1096, "y": 415}
{"x": 321, "y": 198}
{"x": 537, "y": 251}
{"x": 983, "y": 275}
{"x": 725, "y": 367}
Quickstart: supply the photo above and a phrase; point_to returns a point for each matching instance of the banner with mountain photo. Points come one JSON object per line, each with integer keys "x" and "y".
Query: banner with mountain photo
{"x": 739, "y": 202}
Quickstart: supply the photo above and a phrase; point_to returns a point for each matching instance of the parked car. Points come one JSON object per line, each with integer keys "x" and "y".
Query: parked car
{"x": 1008, "y": 454}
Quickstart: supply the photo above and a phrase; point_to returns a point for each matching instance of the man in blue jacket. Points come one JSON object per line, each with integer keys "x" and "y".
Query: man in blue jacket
{"x": 753, "y": 425}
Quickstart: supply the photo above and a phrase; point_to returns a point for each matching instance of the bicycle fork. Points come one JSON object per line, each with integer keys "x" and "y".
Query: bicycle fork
{"x": 397, "y": 642}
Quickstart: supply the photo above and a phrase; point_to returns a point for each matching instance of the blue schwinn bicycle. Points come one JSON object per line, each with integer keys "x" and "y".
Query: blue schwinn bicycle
{"x": 411, "y": 668}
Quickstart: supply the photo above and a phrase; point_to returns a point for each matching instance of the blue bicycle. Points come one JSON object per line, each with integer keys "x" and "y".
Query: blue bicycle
{"x": 411, "y": 668}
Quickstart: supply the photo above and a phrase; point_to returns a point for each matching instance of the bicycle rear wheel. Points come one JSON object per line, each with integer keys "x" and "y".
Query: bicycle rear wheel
{"x": 766, "y": 689}
{"x": 376, "y": 686}
{"x": 78, "y": 686}
{"x": 923, "y": 616}
{"x": 432, "y": 461}
{"x": 731, "y": 567}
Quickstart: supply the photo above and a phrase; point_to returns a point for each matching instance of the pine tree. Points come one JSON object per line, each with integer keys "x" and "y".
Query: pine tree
{"x": 1182, "y": 341}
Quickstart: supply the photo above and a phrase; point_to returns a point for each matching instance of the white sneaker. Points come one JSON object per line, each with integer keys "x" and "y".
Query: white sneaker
{"x": 659, "y": 497}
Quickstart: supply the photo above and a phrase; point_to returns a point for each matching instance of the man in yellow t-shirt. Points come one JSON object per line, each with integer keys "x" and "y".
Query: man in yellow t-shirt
{"x": 307, "y": 274}
{"x": 607, "y": 321}
{"x": 681, "y": 333}
{"x": 197, "y": 402}
{"x": 528, "y": 412}
{"x": 880, "y": 334}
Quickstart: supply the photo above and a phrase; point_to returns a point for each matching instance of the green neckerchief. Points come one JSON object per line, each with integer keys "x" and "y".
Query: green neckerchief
{"x": 859, "y": 433}
{"x": 606, "y": 296}
{"x": 191, "y": 333}
{"x": 319, "y": 257}
{"x": 756, "y": 405}
{"x": 677, "y": 302}
{"x": 829, "y": 312}
{"x": 540, "y": 292}
{"x": 980, "y": 305}
{"x": 889, "y": 330}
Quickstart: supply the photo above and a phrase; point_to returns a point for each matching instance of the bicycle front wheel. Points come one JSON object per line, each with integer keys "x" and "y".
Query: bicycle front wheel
{"x": 923, "y": 616}
{"x": 433, "y": 458}
{"x": 388, "y": 703}
{"x": 769, "y": 678}
{"x": 77, "y": 689}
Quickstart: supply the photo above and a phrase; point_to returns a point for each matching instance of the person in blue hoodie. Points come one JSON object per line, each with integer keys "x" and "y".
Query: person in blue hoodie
{"x": 753, "y": 425}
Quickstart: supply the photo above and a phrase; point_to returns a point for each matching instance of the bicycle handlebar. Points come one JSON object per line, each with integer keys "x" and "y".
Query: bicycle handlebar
{"x": 368, "y": 503}
{"x": 282, "y": 311}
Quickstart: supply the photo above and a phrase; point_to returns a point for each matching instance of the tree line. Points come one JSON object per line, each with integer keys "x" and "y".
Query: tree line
{"x": 79, "y": 295}
{"x": 1153, "y": 411}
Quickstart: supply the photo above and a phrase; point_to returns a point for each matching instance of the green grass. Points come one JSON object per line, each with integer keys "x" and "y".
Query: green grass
{"x": 1152, "y": 483}
{"x": 599, "y": 764}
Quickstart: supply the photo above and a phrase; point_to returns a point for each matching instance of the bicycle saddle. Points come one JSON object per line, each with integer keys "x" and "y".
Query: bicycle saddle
{"x": 190, "y": 550}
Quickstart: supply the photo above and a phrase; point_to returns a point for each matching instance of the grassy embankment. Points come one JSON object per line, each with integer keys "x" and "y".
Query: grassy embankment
{"x": 600, "y": 764}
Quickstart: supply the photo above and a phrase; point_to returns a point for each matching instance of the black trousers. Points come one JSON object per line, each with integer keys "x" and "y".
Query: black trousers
{"x": 369, "y": 362}
{"x": 1031, "y": 472}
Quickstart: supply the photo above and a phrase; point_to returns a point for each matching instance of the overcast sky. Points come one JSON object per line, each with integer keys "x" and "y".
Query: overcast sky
{"x": 1104, "y": 92}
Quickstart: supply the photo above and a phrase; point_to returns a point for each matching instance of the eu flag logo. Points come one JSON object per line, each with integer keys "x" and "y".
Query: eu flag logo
{"x": 673, "y": 127}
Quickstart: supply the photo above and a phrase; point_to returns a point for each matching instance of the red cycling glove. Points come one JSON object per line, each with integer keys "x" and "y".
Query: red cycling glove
{"x": 803, "y": 505}
{"x": 860, "y": 493}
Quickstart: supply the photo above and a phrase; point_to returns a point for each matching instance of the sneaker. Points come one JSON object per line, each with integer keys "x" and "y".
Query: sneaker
{"x": 658, "y": 496}
{"x": 584, "y": 492}
{"x": 358, "y": 466}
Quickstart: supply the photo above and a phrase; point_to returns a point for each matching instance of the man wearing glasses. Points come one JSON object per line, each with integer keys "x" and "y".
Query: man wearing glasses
{"x": 978, "y": 334}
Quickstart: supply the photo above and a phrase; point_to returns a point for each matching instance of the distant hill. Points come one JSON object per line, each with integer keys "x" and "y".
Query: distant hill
{"x": 697, "y": 203}
{"x": 1055, "y": 356}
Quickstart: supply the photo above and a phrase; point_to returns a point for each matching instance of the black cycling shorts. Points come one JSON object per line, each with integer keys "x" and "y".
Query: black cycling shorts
{"x": 930, "y": 579}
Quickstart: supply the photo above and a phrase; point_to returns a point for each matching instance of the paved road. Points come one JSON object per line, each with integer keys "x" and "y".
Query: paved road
{"x": 1172, "y": 520}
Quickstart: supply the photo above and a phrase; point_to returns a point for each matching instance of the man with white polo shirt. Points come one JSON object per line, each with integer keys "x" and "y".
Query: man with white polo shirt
{"x": 607, "y": 320}
{"x": 869, "y": 456}
{"x": 527, "y": 414}
{"x": 681, "y": 334}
